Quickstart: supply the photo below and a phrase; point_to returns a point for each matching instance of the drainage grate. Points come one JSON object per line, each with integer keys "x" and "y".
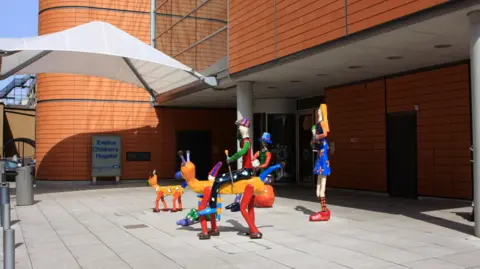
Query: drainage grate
{"x": 135, "y": 226}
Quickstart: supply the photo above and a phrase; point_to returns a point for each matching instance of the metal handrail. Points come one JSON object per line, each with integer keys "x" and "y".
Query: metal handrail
{"x": 15, "y": 83}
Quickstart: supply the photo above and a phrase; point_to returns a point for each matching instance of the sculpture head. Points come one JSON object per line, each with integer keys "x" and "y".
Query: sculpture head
{"x": 243, "y": 125}
{"x": 265, "y": 140}
{"x": 323, "y": 116}
{"x": 152, "y": 180}
{"x": 187, "y": 168}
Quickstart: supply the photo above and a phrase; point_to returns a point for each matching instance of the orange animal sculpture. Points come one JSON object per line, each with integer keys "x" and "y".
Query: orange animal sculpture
{"x": 176, "y": 191}
{"x": 249, "y": 187}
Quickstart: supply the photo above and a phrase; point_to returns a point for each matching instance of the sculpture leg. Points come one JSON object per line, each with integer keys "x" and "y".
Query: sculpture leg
{"x": 247, "y": 199}
{"x": 324, "y": 214}
{"x": 165, "y": 207}
{"x": 251, "y": 210}
{"x": 157, "y": 200}
{"x": 212, "y": 208}
{"x": 203, "y": 220}
{"x": 180, "y": 207}
{"x": 214, "y": 230}
{"x": 174, "y": 202}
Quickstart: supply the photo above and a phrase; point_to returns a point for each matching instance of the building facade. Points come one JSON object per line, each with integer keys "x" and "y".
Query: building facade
{"x": 394, "y": 74}
{"x": 72, "y": 108}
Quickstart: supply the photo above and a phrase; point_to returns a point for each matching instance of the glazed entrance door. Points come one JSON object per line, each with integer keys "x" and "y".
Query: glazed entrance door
{"x": 259, "y": 126}
{"x": 305, "y": 123}
{"x": 282, "y": 129}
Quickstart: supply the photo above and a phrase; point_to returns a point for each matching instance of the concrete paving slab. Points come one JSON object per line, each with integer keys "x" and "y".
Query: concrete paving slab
{"x": 433, "y": 264}
{"x": 97, "y": 256}
{"x": 114, "y": 227}
{"x": 467, "y": 259}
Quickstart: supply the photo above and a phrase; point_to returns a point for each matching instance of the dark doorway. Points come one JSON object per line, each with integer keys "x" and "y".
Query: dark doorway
{"x": 282, "y": 130}
{"x": 305, "y": 123}
{"x": 200, "y": 145}
{"x": 259, "y": 126}
{"x": 402, "y": 154}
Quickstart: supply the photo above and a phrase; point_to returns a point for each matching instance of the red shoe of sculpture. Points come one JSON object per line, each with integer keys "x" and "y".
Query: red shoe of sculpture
{"x": 320, "y": 216}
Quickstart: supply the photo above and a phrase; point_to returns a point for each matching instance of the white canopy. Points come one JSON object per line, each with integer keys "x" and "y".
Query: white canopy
{"x": 100, "y": 49}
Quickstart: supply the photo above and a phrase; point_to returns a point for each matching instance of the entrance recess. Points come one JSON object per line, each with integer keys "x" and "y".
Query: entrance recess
{"x": 282, "y": 129}
{"x": 200, "y": 145}
{"x": 305, "y": 153}
{"x": 402, "y": 154}
{"x": 259, "y": 126}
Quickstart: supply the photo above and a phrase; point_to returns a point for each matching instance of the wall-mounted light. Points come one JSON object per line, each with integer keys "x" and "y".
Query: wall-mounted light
{"x": 394, "y": 57}
{"x": 355, "y": 67}
{"x": 442, "y": 46}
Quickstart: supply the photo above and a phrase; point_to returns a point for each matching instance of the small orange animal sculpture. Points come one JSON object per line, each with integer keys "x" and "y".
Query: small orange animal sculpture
{"x": 176, "y": 191}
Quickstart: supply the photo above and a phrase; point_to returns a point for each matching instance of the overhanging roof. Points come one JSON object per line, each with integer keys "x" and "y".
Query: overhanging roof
{"x": 100, "y": 49}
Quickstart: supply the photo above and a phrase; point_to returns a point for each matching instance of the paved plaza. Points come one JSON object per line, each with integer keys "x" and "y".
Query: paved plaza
{"x": 114, "y": 227}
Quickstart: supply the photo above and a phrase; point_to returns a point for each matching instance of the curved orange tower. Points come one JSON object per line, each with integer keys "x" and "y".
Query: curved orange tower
{"x": 72, "y": 108}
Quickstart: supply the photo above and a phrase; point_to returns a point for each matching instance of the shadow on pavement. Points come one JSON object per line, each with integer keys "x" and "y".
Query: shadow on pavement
{"x": 304, "y": 210}
{"x": 380, "y": 202}
{"x": 237, "y": 227}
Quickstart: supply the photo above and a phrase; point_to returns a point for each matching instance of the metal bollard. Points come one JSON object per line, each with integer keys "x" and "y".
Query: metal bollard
{"x": 6, "y": 220}
{"x": 8, "y": 234}
{"x": 9, "y": 249}
{"x": 4, "y": 201}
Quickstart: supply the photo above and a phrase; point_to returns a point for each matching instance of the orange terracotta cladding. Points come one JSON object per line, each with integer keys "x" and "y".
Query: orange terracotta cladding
{"x": 443, "y": 126}
{"x": 356, "y": 116}
{"x": 357, "y": 123}
{"x": 59, "y": 86}
{"x": 64, "y": 131}
{"x": 264, "y": 30}
{"x": 251, "y": 37}
{"x": 136, "y": 5}
{"x": 363, "y": 14}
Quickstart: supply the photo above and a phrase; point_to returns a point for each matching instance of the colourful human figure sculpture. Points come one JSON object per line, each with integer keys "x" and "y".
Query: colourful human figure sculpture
{"x": 246, "y": 172}
{"x": 191, "y": 218}
{"x": 250, "y": 187}
{"x": 263, "y": 155}
{"x": 262, "y": 158}
{"x": 322, "y": 164}
{"x": 313, "y": 143}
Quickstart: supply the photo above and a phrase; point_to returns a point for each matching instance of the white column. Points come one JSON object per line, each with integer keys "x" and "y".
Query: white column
{"x": 245, "y": 108}
{"x": 474, "y": 18}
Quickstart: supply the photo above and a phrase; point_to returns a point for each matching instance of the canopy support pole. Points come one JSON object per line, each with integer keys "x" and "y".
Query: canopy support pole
{"x": 135, "y": 71}
{"x": 153, "y": 33}
{"x": 25, "y": 64}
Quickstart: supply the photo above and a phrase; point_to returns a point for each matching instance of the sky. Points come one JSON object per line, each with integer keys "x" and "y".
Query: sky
{"x": 18, "y": 18}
